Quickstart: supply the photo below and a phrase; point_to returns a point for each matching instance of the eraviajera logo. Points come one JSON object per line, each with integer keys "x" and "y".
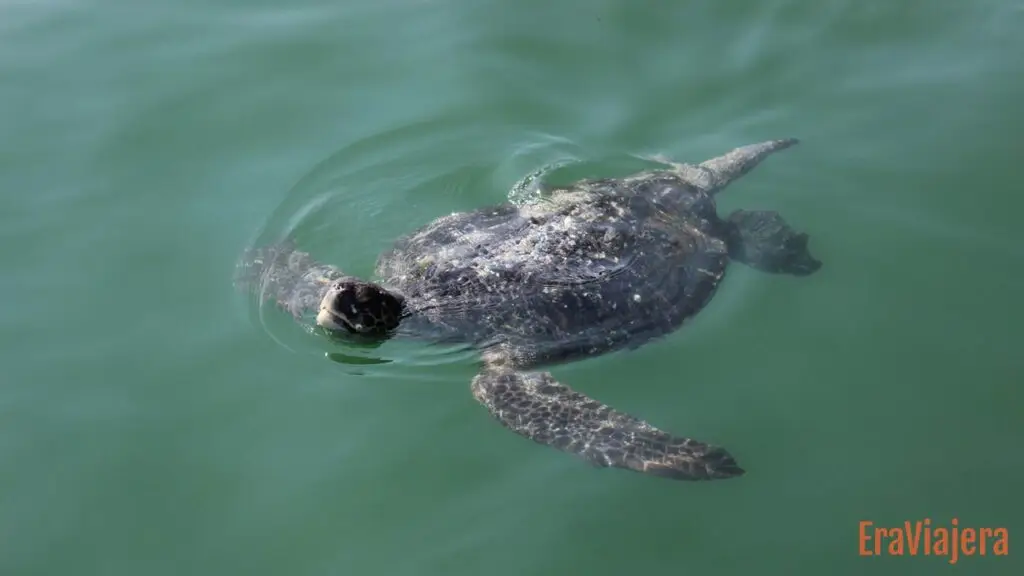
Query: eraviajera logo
{"x": 922, "y": 538}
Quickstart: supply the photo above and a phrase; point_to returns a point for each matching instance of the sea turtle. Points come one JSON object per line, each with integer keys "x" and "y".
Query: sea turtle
{"x": 596, "y": 266}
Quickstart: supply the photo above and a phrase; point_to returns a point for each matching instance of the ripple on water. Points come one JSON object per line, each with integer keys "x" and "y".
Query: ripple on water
{"x": 352, "y": 205}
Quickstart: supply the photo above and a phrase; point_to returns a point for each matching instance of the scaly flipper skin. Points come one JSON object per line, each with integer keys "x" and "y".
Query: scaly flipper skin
{"x": 715, "y": 174}
{"x": 738, "y": 161}
{"x": 535, "y": 405}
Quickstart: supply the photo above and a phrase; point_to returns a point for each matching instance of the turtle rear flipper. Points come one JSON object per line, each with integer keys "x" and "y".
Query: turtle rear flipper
{"x": 535, "y": 405}
{"x": 763, "y": 240}
{"x": 729, "y": 166}
{"x": 715, "y": 174}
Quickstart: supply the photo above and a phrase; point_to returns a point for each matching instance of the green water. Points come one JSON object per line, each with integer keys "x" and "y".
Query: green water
{"x": 152, "y": 421}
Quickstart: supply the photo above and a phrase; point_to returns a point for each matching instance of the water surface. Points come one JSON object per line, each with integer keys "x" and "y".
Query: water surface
{"x": 151, "y": 424}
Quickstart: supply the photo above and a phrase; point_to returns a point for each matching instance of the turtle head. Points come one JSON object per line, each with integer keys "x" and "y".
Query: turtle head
{"x": 355, "y": 306}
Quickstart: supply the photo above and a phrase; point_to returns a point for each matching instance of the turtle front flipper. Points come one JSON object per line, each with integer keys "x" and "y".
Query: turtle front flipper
{"x": 763, "y": 240}
{"x": 535, "y": 405}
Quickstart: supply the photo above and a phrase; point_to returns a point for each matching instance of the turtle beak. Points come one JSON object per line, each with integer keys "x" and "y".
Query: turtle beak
{"x": 325, "y": 319}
